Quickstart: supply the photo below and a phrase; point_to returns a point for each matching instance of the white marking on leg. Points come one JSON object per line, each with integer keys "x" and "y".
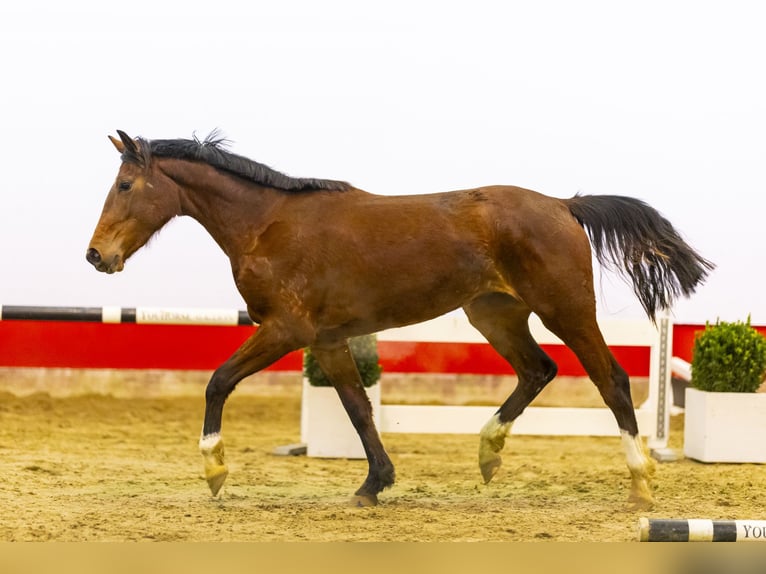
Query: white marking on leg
{"x": 491, "y": 442}
{"x": 216, "y": 472}
{"x": 641, "y": 468}
{"x": 208, "y": 442}
{"x": 495, "y": 431}
{"x": 634, "y": 452}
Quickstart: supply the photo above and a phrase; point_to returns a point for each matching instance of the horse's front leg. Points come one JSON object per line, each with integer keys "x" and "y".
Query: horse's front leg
{"x": 264, "y": 347}
{"x": 338, "y": 365}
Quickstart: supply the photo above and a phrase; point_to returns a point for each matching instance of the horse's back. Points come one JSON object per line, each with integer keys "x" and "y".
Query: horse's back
{"x": 514, "y": 220}
{"x": 502, "y": 203}
{"x": 500, "y": 222}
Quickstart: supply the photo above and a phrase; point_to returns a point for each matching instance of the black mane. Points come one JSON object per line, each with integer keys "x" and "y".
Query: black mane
{"x": 212, "y": 151}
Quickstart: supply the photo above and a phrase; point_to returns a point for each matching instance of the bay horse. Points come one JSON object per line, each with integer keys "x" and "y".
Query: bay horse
{"x": 318, "y": 261}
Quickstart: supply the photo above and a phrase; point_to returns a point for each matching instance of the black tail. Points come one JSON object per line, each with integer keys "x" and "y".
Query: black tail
{"x": 636, "y": 240}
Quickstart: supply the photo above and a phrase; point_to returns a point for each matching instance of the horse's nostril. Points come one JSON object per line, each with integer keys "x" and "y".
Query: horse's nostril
{"x": 93, "y": 256}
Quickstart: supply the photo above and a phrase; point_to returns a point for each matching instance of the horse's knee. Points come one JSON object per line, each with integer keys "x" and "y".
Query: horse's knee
{"x": 534, "y": 375}
{"x": 532, "y": 382}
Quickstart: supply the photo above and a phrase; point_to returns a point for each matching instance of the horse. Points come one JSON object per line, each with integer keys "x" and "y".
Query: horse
{"x": 319, "y": 261}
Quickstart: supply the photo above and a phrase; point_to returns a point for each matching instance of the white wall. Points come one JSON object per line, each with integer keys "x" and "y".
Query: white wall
{"x": 662, "y": 101}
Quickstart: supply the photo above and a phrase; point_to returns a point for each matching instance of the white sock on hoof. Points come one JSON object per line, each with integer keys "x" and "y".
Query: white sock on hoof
{"x": 495, "y": 431}
{"x": 634, "y": 452}
{"x": 208, "y": 442}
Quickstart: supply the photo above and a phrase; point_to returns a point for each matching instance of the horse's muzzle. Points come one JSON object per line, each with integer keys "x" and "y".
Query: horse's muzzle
{"x": 107, "y": 266}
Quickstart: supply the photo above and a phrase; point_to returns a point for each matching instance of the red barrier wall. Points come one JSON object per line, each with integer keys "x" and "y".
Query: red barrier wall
{"x": 683, "y": 340}
{"x": 140, "y": 346}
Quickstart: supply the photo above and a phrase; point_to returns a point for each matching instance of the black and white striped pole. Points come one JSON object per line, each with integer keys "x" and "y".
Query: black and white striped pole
{"x": 140, "y": 315}
{"x": 701, "y": 530}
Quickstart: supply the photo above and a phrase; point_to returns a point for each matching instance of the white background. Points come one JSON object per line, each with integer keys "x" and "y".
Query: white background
{"x": 665, "y": 101}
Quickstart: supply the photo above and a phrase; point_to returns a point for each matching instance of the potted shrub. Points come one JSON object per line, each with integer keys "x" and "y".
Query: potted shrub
{"x": 325, "y": 427}
{"x": 725, "y": 416}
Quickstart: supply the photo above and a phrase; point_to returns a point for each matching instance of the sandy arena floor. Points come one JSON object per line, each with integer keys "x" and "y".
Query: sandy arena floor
{"x": 99, "y": 467}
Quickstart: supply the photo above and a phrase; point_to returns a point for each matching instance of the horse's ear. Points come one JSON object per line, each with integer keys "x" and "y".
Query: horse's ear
{"x": 128, "y": 143}
{"x": 117, "y": 144}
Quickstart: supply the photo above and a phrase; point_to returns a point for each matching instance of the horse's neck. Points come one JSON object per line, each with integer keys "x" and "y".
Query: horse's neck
{"x": 231, "y": 210}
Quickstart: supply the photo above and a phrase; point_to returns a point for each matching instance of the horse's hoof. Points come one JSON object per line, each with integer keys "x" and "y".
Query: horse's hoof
{"x": 491, "y": 442}
{"x": 211, "y": 447}
{"x": 640, "y": 503}
{"x": 216, "y": 476}
{"x": 640, "y": 497}
{"x": 489, "y": 466}
{"x": 363, "y": 500}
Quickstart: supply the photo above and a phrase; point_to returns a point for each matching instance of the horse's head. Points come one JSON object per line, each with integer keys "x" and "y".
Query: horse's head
{"x": 139, "y": 203}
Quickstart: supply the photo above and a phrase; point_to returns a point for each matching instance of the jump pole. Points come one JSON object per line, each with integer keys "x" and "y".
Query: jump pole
{"x": 701, "y": 530}
{"x": 139, "y": 315}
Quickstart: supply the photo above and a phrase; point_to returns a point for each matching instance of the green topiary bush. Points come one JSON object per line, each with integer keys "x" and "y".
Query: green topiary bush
{"x": 729, "y": 358}
{"x": 365, "y": 352}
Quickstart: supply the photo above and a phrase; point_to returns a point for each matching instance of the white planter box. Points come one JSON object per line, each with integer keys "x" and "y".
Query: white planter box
{"x": 725, "y": 427}
{"x": 325, "y": 427}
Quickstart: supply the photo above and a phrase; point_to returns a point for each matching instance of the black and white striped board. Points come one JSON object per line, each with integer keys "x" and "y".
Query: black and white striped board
{"x": 701, "y": 530}
{"x": 142, "y": 315}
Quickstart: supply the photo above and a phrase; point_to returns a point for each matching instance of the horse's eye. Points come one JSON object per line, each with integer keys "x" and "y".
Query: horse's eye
{"x": 124, "y": 186}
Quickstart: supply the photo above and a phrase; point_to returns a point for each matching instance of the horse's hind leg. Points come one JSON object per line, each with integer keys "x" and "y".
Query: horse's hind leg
{"x": 337, "y": 363}
{"x": 580, "y": 332}
{"x": 503, "y": 320}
